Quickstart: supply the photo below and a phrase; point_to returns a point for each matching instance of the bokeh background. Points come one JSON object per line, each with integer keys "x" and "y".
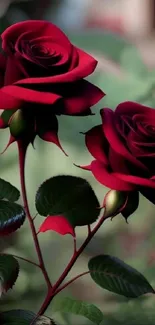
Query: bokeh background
{"x": 120, "y": 34}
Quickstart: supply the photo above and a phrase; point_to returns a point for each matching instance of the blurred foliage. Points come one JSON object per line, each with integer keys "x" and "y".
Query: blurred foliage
{"x": 133, "y": 81}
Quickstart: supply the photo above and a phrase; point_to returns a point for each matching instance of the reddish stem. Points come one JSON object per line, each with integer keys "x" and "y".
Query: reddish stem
{"x": 72, "y": 280}
{"x": 89, "y": 229}
{"x": 53, "y": 291}
{"x": 75, "y": 249}
{"x": 22, "y": 149}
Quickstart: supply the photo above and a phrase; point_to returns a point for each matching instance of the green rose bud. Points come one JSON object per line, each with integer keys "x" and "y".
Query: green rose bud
{"x": 6, "y": 115}
{"x": 114, "y": 202}
{"x": 18, "y": 124}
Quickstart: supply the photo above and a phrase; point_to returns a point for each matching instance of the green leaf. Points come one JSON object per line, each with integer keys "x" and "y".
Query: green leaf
{"x": 23, "y": 317}
{"x": 132, "y": 62}
{"x": 16, "y": 317}
{"x": 68, "y": 196}
{"x": 12, "y": 216}
{"x": 9, "y": 269}
{"x": 8, "y": 191}
{"x": 76, "y": 307}
{"x": 114, "y": 275}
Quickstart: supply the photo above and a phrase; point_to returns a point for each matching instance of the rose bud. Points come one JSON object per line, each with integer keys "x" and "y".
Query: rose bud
{"x": 5, "y": 118}
{"x": 17, "y": 124}
{"x": 116, "y": 202}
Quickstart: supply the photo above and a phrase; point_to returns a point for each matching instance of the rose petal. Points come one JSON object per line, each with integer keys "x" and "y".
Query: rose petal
{"x": 139, "y": 181}
{"x": 140, "y": 149}
{"x": 28, "y": 95}
{"x": 85, "y": 67}
{"x": 97, "y": 144}
{"x": 147, "y": 118}
{"x": 114, "y": 139}
{"x": 8, "y": 101}
{"x": 81, "y": 97}
{"x": 77, "y": 97}
{"x": 117, "y": 163}
{"x": 35, "y": 28}
{"x": 132, "y": 108}
{"x": 58, "y": 224}
{"x": 57, "y": 61}
{"x": 108, "y": 179}
{"x": 12, "y": 72}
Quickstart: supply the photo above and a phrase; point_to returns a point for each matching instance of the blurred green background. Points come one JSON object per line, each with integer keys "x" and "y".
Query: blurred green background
{"x": 122, "y": 75}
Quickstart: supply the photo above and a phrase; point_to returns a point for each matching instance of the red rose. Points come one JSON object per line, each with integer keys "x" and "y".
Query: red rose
{"x": 44, "y": 72}
{"x": 124, "y": 149}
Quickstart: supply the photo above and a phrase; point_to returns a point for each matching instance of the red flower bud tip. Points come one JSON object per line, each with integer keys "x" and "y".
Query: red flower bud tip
{"x": 51, "y": 136}
{"x": 114, "y": 202}
{"x": 88, "y": 167}
{"x": 11, "y": 140}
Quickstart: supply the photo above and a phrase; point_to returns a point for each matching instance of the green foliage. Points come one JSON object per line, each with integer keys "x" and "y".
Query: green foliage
{"x": 12, "y": 216}
{"x": 9, "y": 269}
{"x": 69, "y": 196}
{"x": 8, "y": 191}
{"x": 76, "y": 307}
{"x": 114, "y": 275}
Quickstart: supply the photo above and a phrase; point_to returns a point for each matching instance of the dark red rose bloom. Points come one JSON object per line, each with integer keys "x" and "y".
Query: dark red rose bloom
{"x": 124, "y": 149}
{"x": 43, "y": 74}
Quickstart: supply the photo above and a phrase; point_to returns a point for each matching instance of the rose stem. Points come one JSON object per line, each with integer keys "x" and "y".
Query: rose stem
{"x": 70, "y": 281}
{"x": 22, "y": 149}
{"x": 53, "y": 291}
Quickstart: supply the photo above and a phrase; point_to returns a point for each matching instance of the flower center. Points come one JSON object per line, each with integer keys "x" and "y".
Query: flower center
{"x": 150, "y": 129}
{"x": 39, "y": 50}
